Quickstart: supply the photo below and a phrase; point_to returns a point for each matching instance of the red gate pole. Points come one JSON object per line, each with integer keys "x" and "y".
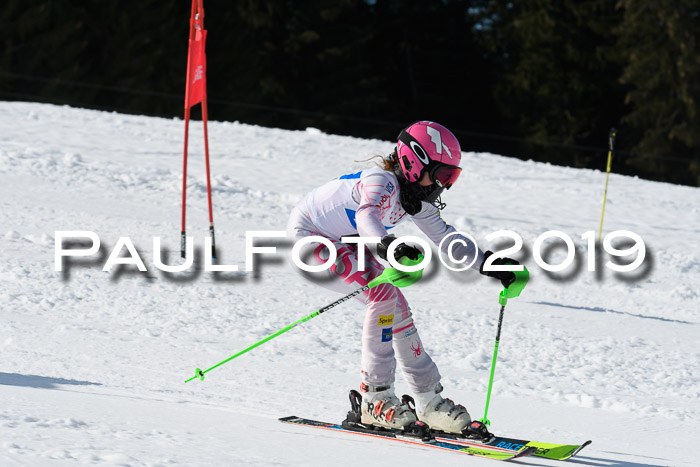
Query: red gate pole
{"x": 206, "y": 150}
{"x": 183, "y": 236}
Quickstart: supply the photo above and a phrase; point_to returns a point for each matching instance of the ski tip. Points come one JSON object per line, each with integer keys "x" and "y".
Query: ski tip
{"x": 581, "y": 447}
{"x": 528, "y": 451}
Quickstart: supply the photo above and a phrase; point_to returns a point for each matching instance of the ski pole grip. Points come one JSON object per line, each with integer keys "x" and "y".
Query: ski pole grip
{"x": 514, "y": 289}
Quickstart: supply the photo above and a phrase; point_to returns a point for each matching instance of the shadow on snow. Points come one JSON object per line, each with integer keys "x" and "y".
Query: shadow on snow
{"x": 44, "y": 382}
{"x": 606, "y": 310}
{"x": 600, "y": 462}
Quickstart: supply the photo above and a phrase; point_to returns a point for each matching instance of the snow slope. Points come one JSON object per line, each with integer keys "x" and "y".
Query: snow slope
{"x": 92, "y": 364}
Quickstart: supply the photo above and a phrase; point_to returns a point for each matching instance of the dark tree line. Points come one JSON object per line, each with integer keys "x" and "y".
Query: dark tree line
{"x": 542, "y": 79}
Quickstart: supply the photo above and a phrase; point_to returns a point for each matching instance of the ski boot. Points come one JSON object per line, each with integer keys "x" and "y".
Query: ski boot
{"x": 410, "y": 427}
{"x": 380, "y": 407}
{"x": 442, "y": 415}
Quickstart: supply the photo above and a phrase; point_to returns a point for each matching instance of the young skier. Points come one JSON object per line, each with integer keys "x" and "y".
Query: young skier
{"x": 408, "y": 184}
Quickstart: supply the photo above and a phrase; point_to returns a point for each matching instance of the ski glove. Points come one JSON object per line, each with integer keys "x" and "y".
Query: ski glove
{"x": 506, "y": 277}
{"x": 402, "y": 250}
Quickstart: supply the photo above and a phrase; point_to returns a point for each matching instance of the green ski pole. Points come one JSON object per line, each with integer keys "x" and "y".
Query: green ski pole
{"x": 512, "y": 291}
{"x": 389, "y": 276}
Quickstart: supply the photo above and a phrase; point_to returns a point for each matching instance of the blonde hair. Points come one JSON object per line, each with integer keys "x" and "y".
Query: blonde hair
{"x": 383, "y": 162}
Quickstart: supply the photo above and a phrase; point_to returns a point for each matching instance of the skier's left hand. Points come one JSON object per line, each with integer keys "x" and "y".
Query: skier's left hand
{"x": 506, "y": 277}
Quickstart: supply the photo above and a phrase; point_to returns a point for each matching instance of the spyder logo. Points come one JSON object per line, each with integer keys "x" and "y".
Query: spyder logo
{"x": 417, "y": 349}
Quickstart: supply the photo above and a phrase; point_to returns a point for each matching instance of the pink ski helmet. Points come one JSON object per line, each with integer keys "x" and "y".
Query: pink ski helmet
{"x": 429, "y": 147}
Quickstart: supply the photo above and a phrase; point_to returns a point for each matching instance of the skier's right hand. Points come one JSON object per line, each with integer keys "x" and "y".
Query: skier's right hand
{"x": 506, "y": 277}
{"x": 399, "y": 252}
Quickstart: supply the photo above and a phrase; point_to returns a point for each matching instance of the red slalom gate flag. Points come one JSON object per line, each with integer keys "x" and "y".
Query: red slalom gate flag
{"x": 197, "y": 79}
{"x": 196, "y": 93}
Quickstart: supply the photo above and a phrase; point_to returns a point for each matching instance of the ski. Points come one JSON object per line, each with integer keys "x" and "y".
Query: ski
{"x": 547, "y": 450}
{"x": 477, "y": 435}
{"x": 430, "y": 442}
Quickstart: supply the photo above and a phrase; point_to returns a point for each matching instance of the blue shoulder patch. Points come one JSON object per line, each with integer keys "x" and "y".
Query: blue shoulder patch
{"x": 348, "y": 176}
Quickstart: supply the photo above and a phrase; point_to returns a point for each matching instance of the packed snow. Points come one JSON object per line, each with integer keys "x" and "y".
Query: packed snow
{"x": 93, "y": 364}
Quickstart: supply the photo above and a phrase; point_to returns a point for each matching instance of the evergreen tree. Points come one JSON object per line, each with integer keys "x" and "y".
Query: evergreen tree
{"x": 557, "y": 78}
{"x": 660, "y": 41}
{"x": 552, "y": 71}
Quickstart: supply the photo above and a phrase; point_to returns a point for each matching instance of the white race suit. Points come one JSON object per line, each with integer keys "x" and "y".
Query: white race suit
{"x": 367, "y": 204}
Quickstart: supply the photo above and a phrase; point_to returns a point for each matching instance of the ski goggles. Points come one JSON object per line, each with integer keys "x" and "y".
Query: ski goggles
{"x": 443, "y": 175}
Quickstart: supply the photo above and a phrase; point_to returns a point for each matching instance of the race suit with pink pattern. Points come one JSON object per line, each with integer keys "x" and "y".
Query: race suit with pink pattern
{"x": 367, "y": 204}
